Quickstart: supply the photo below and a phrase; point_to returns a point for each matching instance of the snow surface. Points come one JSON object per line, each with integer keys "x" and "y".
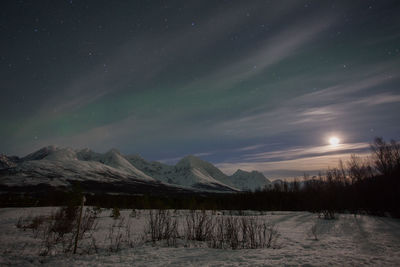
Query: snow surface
{"x": 347, "y": 241}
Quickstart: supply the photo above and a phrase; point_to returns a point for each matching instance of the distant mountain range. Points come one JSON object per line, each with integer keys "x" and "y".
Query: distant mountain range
{"x": 60, "y": 167}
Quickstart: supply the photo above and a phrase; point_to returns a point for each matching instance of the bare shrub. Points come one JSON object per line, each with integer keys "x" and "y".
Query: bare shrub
{"x": 218, "y": 237}
{"x": 162, "y": 227}
{"x": 358, "y": 169}
{"x": 257, "y": 234}
{"x": 314, "y": 231}
{"x": 386, "y": 156}
{"x": 133, "y": 213}
{"x": 115, "y": 213}
{"x": 58, "y": 230}
{"x": 96, "y": 211}
{"x": 115, "y": 235}
{"x": 33, "y": 223}
{"x": 273, "y": 235}
{"x": 64, "y": 220}
{"x": 217, "y": 231}
{"x": 88, "y": 222}
{"x": 328, "y": 214}
{"x": 129, "y": 236}
{"x": 230, "y": 231}
{"x": 199, "y": 226}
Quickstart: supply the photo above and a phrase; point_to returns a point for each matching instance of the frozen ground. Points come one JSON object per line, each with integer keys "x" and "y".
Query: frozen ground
{"x": 349, "y": 240}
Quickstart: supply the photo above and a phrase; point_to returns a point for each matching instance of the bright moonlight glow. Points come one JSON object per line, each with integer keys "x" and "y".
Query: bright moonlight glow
{"x": 334, "y": 141}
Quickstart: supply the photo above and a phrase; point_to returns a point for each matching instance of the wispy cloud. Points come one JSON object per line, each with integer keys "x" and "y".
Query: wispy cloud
{"x": 248, "y": 148}
{"x": 142, "y": 59}
{"x": 296, "y": 167}
{"x": 306, "y": 152}
{"x": 202, "y": 154}
{"x": 272, "y": 51}
{"x": 326, "y": 105}
{"x": 379, "y": 99}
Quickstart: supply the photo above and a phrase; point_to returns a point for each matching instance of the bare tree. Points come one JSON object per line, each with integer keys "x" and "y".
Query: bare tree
{"x": 386, "y": 156}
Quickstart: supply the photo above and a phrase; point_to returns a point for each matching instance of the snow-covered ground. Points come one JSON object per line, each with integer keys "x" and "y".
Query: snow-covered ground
{"x": 348, "y": 240}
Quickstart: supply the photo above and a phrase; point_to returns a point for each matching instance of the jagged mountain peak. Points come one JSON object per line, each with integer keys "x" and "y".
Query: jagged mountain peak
{"x": 249, "y": 180}
{"x": 193, "y": 171}
{"x": 41, "y": 153}
{"x": 8, "y": 162}
{"x": 189, "y": 160}
{"x": 192, "y": 161}
{"x": 135, "y": 156}
{"x": 85, "y": 150}
{"x": 62, "y": 153}
{"x": 253, "y": 173}
{"x": 113, "y": 151}
{"x": 240, "y": 171}
{"x": 51, "y": 152}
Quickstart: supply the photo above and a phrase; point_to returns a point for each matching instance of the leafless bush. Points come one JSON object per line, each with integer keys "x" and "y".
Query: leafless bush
{"x": 257, "y": 233}
{"x": 131, "y": 239}
{"x": 218, "y": 237}
{"x": 248, "y": 232}
{"x": 273, "y": 235}
{"x": 89, "y": 221}
{"x": 199, "y": 226}
{"x": 328, "y": 214}
{"x": 133, "y": 213}
{"x": 231, "y": 225}
{"x": 33, "y": 223}
{"x": 63, "y": 221}
{"x": 314, "y": 231}
{"x": 115, "y": 213}
{"x": 358, "y": 169}
{"x": 58, "y": 230}
{"x": 21, "y": 223}
{"x": 162, "y": 227}
{"x": 115, "y": 235}
{"x": 129, "y": 236}
{"x": 386, "y": 156}
{"x": 217, "y": 231}
{"x": 64, "y": 229}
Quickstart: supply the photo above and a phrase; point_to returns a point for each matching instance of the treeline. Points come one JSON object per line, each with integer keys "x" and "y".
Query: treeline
{"x": 358, "y": 185}
{"x": 370, "y": 185}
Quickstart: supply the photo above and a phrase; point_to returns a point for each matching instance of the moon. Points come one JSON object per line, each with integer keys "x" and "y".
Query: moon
{"x": 334, "y": 141}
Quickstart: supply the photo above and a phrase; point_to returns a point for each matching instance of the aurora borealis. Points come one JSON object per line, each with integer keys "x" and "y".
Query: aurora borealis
{"x": 243, "y": 84}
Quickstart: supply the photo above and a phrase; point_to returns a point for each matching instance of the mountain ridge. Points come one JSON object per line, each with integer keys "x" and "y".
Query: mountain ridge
{"x": 58, "y": 166}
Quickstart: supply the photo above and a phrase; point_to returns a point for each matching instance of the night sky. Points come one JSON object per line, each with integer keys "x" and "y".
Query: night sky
{"x": 243, "y": 84}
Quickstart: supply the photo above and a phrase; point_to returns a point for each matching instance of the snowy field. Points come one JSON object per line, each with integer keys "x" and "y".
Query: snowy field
{"x": 302, "y": 239}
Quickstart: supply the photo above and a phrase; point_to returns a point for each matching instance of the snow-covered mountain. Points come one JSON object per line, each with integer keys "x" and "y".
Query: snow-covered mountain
{"x": 249, "y": 181}
{"x": 58, "y": 166}
{"x": 7, "y": 162}
{"x": 61, "y": 167}
{"x": 157, "y": 170}
{"x": 189, "y": 172}
{"x": 194, "y": 172}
